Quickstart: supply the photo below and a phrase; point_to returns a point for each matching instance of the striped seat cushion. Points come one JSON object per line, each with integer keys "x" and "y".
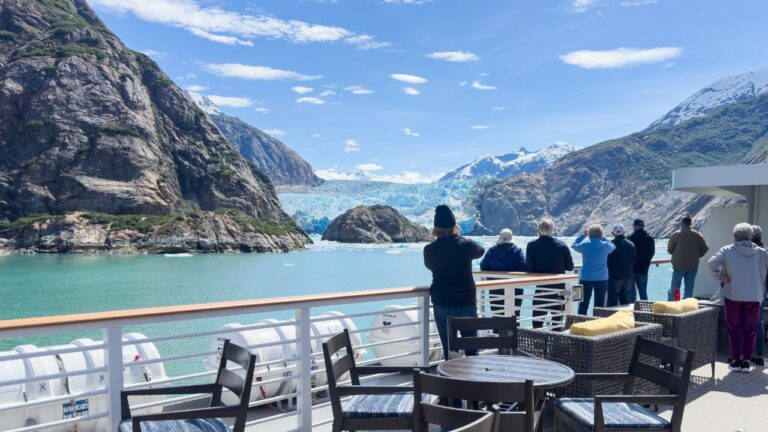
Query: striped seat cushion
{"x": 197, "y": 425}
{"x": 380, "y": 405}
{"x": 617, "y": 415}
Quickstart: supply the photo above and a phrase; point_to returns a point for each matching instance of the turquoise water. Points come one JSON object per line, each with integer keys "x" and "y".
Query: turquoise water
{"x": 44, "y": 285}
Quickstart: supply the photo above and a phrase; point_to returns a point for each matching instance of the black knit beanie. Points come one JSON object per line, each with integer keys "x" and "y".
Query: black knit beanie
{"x": 444, "y": 217}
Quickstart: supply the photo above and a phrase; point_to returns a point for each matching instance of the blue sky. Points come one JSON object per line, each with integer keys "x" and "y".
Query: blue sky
{"x": 408, "y": 89}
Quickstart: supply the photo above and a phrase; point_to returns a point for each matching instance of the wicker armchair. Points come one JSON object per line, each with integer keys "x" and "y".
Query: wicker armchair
{"x": 588, "y": 354}
{"x": 694, "y": 331}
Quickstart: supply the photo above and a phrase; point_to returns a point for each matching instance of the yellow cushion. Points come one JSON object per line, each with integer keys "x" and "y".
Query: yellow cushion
{"x": 621, "y": 320}
{"x": 676, "y": 307}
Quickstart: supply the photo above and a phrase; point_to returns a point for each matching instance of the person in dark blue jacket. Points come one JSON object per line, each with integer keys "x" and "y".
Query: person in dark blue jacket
{"x": 505, "y": 256}
{"x": 621, "y": 265}
{"x": 547, "y": 254}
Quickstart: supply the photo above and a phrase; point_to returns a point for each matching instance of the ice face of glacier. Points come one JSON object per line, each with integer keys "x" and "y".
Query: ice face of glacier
{"x": 721, "y": 92}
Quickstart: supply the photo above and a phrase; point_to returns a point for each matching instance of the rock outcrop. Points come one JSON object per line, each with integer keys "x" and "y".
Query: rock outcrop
{"x": 88, "y": 125}
{"x": 375, "y": 224}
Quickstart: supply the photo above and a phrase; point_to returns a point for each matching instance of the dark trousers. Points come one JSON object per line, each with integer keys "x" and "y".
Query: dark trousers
{"x": 547, "y": 296}
{"x": 641, "y": 282}
{"x": 741, "y": 321}
{"x": 600, "y": 288}
{"x": 441, "y": 321}
{"x": 621, "y": 292}
{"x": 498, "y": 305}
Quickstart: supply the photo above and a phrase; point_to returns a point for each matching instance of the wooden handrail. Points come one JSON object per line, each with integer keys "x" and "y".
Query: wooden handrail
{"x": 243, "y": 306}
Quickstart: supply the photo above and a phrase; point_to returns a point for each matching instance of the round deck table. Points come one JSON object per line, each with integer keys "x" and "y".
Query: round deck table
{"x": 506, "y": 368}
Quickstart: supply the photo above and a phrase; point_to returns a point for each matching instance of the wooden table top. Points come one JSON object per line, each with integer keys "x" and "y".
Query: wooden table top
{"x": 507, "y": 368}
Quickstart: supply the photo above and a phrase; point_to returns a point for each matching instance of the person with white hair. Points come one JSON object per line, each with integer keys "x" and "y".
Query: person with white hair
{"x": 621, "y": 266}
{"x": 505, "y": 256}
{"x": 547, "y": 254}
{"x": 741, "y": 268}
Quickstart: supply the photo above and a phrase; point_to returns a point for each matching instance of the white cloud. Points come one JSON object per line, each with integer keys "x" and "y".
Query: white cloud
{"x": 634, "y": 3}
{"x": 188, "y": 76}
{"x": 407, "y": 177}
{"x": 262, "y": 110}
{"x": 479, "y": 127}
{"x": 410, "y": 91}
{"x": 315, "y": 135}
{"x": 463, "y": 83}
{"x": 411, "y": 132}
{"x": 500, "y": 108}
{"x": 454, "y": 56}
{"x": 277, "y": 133}
{"x": 302, "y": 90}
{"x": 582, "y": 5}
{"x": 196, "y": 88}
{"x": 358, "y": 90}
{"x": 230, "y": 101}
{"x": 220, "y": 25}
{"x": 369, "y": 167}
{"x": 410, "y": 79}
{"x": 328, "y": 93}
{"x": 155, "y": 54}
{"x": 620, "y": 57}
{"x": 351, "y": 146}
{"x": 262, "y": 73}
{"x": 310, "y": 100}
{"x": 479, "y": 86}
{"x": 332, "y": 174}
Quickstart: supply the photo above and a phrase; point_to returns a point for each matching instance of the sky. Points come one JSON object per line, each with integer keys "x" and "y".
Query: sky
{"x": 406, "y": 90}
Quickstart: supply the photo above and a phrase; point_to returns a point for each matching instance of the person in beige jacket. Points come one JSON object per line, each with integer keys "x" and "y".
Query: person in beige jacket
{"x": 686, "y": 247}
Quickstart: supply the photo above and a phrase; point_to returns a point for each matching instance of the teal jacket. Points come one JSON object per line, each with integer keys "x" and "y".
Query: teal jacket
{"x": 594, "y": 252}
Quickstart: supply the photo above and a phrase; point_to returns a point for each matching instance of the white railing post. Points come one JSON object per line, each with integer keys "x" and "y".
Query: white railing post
{"x": 424, "y": 330}
{"x": 509, "y": 301}
{"x": 304, "y": 345}
{"x": 113, "y": 346}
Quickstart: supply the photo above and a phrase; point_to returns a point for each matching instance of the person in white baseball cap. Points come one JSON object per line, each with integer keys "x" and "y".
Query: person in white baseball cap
{"x": 621, "y": 266}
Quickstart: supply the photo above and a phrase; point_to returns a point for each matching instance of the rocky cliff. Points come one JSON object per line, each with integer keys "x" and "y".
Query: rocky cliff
{"x": 621, "y": 179}
{"x": 89, "y": 125}
{"x": 375, "y": 224}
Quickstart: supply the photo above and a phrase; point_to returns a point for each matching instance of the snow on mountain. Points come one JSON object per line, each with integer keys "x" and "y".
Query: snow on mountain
{"x": 204, "y": 103}
{"x": 510, "y": 164}
{"x": 723, "y": 91}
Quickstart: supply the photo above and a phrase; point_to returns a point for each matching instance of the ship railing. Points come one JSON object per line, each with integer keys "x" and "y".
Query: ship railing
{"x": 169, "y": 328}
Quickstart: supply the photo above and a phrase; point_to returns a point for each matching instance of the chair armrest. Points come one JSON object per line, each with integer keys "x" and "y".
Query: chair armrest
{"x": 225, "y": 411}
{"x": 604, "y": 376}
{"x": 354, "y": 390}
{"x": 370, "y": 370}
{"x": 125, "y": 408}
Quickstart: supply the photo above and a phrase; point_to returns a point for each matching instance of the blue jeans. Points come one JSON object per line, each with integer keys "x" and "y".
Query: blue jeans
{"x": 600, "y": 288}
{"x": 760, "y": 345}
{"x": 641, "y": 282}
{"x": 678, "y": 277}
{"x": 441, "y": 321}
{"x": 621, "y": 292}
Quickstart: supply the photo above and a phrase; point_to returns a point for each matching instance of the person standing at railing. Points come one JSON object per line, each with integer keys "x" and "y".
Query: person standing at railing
{"x": 645, "y": 247}
{"x": 686, "y": 247}
{"x": 547, "y": 254}
{"x": 505, "y": 256}
{"x": 741, "y": 268}
{"x": 453, "y": 290}
{"x": 594, "y": 249}
{"x": 757, "y": 359}
{"x": 621, "y": 266}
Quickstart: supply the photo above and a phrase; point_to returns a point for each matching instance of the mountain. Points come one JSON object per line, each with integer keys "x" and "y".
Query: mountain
{"x": 375, "y": 224}
{"x": 721, "y": 92}
{"x": 620, "y": 179}
{"x": 278, "y": 161}
{"x": 510, "y": 164}
{"x": 88, "y": 125}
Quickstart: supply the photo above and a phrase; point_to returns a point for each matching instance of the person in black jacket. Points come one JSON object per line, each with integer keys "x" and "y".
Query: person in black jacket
{"x": 453, "y": 289}
{"x": 621, "y": 265}
{"x": 645, "y": 247}
{"x": 505, "y": 256}
{"x": 547, "y": 254}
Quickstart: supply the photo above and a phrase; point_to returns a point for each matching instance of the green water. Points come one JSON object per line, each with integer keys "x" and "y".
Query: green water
{"x": 44, "y": 285}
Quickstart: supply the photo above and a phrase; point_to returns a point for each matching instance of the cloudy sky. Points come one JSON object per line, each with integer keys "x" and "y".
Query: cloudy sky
{"x": 408, "y": 89}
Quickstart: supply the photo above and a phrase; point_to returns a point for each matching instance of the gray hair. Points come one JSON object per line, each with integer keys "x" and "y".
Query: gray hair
{"x": 546, "y": 227}
{"x": 742, "y": 231}
{"x": 595, "y": 231}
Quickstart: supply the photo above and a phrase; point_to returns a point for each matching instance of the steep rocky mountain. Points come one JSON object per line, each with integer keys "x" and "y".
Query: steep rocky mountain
{"x": 510, "y": 164}
{"x": 620, "y": 179}
{"x": 375, "y": 224}
{"x": 721, "y": 92}
{"x": 88, "y": 125}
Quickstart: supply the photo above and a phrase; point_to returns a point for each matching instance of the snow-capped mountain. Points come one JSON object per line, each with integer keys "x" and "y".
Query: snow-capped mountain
{"x": 510, "y": 164}
{"x": 723, "y": 91}
{"x": 205, "y": 103}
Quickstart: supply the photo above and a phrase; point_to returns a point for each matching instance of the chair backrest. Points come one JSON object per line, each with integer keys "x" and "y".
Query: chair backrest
{"x": 504, "y": 337}
{"x": 231, "y": 380}
{"x": 473, "y": 391}
{"x": 674, "y": 375}
{"x": 336, "y": 367}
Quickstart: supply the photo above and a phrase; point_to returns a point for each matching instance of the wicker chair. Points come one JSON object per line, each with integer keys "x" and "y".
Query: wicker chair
{"x": 588, "y": 354}
{"x": 695, "y": 331}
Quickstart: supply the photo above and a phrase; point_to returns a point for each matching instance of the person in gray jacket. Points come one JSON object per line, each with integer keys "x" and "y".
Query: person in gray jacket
{"x": 741, "y": 268}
